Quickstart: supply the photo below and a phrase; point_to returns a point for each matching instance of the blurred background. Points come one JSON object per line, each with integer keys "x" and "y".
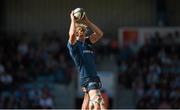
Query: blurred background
{"x": 137, "y": 59}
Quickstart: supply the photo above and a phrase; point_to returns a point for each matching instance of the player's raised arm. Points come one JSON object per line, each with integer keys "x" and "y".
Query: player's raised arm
{"x": 97, "y": 32}
{"x": 72, "y": 36}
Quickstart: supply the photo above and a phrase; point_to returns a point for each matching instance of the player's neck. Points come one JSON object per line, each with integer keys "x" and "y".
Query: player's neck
{"x": 81, "y": 39}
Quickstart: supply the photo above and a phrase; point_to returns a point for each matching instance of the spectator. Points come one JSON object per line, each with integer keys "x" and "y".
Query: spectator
{"x": 46, "y": 101}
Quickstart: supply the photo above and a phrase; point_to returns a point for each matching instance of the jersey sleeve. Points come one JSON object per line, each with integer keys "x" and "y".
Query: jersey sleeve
{"x": 72, "y": 48}
{"x": 74, "y": 53}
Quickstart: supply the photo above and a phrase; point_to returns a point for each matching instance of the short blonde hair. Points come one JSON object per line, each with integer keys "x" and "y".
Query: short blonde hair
{"x": 80, "y": 25}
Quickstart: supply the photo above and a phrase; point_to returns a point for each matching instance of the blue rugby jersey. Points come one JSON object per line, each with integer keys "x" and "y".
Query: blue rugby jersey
{"x": 83, "y": 56}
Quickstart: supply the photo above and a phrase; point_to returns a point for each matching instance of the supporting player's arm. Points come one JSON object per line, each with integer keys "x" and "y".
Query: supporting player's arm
{"x": 97, "y": 33}
{"x": 72, "y": 37}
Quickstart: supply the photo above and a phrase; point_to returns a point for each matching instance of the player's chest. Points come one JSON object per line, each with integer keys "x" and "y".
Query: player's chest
{"x": 85, "y": 49}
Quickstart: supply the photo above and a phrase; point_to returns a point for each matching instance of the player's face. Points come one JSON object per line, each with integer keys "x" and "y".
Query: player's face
{"x": 80, "y": 32}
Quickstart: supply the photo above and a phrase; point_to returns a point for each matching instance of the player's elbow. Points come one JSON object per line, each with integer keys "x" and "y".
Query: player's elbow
{"x": 100, "y": 34}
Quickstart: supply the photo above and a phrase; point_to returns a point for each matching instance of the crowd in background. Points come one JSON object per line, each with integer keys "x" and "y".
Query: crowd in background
{"x": 26, "y": 63}
{"x": 153, "y": 72}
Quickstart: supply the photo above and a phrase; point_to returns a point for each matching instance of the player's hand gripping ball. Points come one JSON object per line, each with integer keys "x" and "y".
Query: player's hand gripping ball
{"x": 79, "y": 13}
